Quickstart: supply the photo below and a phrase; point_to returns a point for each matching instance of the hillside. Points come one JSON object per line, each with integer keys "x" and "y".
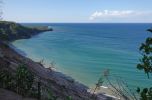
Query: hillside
{"x": 11, "y": 31}
{"x": 9, "y": 95}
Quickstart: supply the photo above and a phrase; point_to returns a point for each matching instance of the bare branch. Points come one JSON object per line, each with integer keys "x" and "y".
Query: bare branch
{"x": 1, "y": 11}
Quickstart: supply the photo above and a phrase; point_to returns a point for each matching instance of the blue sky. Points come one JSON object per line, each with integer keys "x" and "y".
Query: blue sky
{"x": 95, "y": 11}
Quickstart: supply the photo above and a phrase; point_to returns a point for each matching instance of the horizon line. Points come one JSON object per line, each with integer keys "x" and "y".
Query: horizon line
{"x": 84, "y": 22}
{"x": 77, "y": 22}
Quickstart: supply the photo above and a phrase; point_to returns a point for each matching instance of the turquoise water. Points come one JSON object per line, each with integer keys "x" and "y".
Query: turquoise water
{"x": 83, "y": 51}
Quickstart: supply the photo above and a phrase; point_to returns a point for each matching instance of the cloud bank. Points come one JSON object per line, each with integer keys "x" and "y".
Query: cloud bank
{"x": 109, "y": 15}
{"x": 114, "y": 13}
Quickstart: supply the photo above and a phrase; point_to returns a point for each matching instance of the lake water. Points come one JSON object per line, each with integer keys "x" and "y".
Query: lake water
{"x": 83, "y": 51}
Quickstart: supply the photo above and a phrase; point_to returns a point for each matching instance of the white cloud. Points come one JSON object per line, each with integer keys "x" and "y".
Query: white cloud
{"x": 107, "y": 14}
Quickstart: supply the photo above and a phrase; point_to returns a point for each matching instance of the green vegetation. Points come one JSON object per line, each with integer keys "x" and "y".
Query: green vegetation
{"x": 51, "y": 96}
{"x": 20, "y": 82}
{"x": 146, "y": 65}
{"x": 69, "y": 98}
{"x": 6, "y": 79}
{"x": 10, "y": 31}
{"x": 146, "y": 61}
{"x": 24, "y": 80}
{"x": 24, "y": 83}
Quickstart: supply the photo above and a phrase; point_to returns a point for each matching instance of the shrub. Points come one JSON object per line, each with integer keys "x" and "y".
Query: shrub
{"x": 24, "y": 80}
{"x": 51, "y": 96}
{"x": 6, "y": 79}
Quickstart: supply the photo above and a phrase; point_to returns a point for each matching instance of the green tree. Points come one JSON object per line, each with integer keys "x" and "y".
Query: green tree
{"x": 146, "y": 65}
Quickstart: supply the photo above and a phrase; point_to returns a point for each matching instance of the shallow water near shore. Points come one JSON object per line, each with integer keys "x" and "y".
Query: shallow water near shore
{"x": 83, "y": 51}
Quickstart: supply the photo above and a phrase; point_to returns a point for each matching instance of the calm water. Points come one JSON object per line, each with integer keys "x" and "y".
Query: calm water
{"x": 83, "y": 51}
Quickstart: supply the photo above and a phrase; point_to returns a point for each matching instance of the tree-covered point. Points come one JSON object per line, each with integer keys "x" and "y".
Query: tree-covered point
{"x": 11, "y": 31}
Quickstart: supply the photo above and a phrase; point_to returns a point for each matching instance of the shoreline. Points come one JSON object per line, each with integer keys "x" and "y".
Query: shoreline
{"x": 103, "y": 89}
{"x": 52, "y": 69}
{"x": 52, "y": 79}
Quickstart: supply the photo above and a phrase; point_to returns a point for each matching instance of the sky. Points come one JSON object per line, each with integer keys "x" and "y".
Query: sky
{"x": 78, "y": 11}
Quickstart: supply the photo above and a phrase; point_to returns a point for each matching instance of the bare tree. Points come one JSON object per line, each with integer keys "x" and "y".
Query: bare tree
{"x": 1, "y": 11}
{"x": 117, "y": 86}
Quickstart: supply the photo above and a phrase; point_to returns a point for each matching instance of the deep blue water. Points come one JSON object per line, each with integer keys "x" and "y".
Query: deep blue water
{"x": 83, "y": 51}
